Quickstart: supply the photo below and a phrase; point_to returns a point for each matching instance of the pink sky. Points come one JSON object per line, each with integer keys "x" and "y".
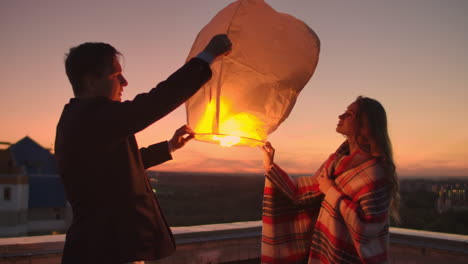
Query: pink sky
{"x": 409, "y": 55}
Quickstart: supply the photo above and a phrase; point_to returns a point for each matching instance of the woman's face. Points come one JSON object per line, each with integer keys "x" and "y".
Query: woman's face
{"x": 346, "y": 123}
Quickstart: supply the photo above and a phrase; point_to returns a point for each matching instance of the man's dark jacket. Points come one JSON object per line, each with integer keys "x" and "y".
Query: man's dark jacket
{"x": 116, "y": 217}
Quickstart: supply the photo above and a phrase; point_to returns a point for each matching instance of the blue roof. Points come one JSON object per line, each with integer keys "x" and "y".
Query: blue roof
{"x": 45, "y": 186}
{"x": 33, "y": 157}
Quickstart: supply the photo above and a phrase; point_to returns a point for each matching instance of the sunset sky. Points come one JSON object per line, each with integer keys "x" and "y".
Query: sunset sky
{"x": 411, "y": 55}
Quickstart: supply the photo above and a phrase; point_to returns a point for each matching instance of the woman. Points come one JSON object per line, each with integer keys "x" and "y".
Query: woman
{"x": 341, "y": 214}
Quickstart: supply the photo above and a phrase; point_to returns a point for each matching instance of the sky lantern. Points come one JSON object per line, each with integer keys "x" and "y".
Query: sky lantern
{"x": 254, "y": 88}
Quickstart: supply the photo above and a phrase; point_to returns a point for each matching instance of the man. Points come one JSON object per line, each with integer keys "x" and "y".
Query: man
{"x": 116, "y": 217}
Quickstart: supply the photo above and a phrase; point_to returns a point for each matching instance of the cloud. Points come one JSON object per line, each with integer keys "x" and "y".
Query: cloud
{"x": 212, "y": 158}
{"x": 433, "y": 172}
{"x": 214, "y": 165}
{"x": 433, "y": 168}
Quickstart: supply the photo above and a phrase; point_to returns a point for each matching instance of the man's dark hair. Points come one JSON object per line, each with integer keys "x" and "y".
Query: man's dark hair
{"x": 90, "y": 58}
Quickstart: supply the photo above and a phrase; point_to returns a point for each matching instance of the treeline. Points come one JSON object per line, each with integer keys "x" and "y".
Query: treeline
{"x": 418, "y": 211}
{"x": 198, "y": 199}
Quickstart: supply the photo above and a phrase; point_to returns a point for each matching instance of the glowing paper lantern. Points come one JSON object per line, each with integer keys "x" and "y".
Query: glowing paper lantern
{"x": 254, "y": 88}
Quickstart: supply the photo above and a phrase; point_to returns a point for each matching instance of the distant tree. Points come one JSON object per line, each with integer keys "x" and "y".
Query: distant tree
{"x": 417, "y": 208}
{"x": 455, "y": 222}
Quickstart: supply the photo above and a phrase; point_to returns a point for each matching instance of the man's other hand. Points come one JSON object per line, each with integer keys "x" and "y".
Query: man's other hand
{"x": 219, "y": 45}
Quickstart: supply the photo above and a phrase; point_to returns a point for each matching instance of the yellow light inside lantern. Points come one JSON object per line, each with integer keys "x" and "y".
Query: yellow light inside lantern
{"x": 233, "y": 127}
{"x": 205, "y": 124}
{"x": 227, "y": 141}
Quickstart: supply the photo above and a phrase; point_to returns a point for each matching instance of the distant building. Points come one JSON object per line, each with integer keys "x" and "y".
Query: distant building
{"x": 452, "y": 197}
{"x": 451, "y": 193}
{"x": 33, "y": 199}
{"x": 14, "y": 193}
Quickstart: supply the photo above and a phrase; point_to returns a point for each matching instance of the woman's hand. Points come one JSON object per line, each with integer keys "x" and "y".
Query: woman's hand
{"x": 325, "y": 183}
{"x": 268, "y": 155}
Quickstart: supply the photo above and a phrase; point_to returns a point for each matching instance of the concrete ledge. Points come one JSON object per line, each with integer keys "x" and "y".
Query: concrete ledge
{"x": 240, "y": 243}
{"x": 21, "y": 247}
{"x": 415, "y": 246}
{"x": 434, "y": 240}
{"x": 217, "y": 243}
{"x": 206, "y": 233}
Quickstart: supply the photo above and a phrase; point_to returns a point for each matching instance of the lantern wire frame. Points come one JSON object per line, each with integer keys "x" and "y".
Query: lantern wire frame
{"x": 228, "y": 140}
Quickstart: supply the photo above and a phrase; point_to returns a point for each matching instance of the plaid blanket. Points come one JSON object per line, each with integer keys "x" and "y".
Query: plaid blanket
{"x": 349, "y": 224}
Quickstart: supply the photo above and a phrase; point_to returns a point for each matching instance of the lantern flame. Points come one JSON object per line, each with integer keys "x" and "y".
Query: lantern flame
{"x": 227, "y": 141}
{"x": 233, "y": 129}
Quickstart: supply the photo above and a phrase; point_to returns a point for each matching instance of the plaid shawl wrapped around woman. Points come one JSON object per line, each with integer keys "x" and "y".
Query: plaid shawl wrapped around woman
{"x": 349, "y": 224}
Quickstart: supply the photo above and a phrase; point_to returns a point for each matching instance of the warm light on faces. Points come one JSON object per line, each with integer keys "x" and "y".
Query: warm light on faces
{"x": 111, "y": 83}
{"x": 346, "y": 121}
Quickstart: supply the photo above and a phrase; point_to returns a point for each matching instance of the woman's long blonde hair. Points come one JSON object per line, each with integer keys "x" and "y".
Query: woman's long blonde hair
{"x": 372, "y": 136}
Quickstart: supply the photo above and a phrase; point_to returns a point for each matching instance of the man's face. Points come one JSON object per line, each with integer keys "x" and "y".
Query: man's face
{"x": 111, "y": 83}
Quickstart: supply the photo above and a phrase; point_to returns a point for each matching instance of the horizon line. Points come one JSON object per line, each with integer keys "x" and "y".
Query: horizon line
{"x": 300, "y": 174}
